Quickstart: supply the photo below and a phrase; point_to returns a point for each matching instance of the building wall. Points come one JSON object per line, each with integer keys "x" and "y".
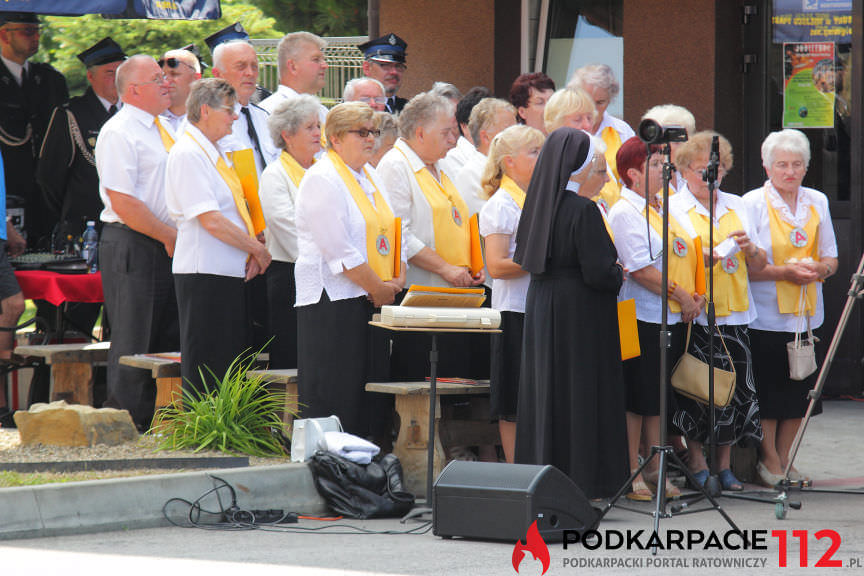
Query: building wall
{"x": 448, "y": 40}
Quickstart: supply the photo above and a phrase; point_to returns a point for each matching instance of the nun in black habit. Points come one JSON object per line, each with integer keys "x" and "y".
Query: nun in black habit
{"x": 571, "y": 395}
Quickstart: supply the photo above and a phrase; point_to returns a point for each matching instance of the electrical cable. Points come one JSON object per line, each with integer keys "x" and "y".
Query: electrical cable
{"x": 234, "y": 518}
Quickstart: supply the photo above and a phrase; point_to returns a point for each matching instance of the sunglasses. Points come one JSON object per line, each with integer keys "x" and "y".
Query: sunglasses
{"x": 174, "y": 63}
{"x": 26, "y": 30}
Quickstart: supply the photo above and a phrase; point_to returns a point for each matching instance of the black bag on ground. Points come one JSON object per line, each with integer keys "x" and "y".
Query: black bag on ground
{"x": 361, "y": 491}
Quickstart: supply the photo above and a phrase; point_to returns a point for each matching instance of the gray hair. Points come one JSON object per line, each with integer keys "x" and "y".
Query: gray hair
{"x": 446, "y": 90}
{"x": 388, "y": 124}
{"x": 788, "y": 140}
{"x": 290, "y": 45}
{"x": 672, "y": 115}
{"x": 422, "y": 110}
{"x": 348, "y": 93}
{"x": 483, "y": 116}
{"x": 597, "y": 75}
{"x": 219, "y": 51}
{"x": 127, "y": 70}
{"x": 212, "y": 92}
{"x": 290, "y": 115}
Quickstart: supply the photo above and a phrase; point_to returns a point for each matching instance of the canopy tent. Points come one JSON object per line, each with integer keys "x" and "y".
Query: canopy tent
{"x": 152, "y": 9}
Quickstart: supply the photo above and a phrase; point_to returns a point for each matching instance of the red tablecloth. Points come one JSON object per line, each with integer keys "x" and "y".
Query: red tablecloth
{"x": 58, "y": 288}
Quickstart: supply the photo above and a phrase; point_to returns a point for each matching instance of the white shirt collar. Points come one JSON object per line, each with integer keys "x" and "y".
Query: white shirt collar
{"x": 802, "y": 206}
{"x": 212, "y": 152}
{"x": 140, "y": 115}
{"x": 14, "y": 68}
{"x": 635, "y": 199}
{"x": 107, "y": 103}
{"x": 414, "y": 160}
{"x": 688, "y": 201}
{"x": 287, "y": 91}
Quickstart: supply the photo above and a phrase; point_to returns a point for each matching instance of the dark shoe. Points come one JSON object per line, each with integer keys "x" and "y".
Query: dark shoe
{"x": 393, "y": 468}
{"x": 729, "y": 482}
{"x": 701, "y": 476}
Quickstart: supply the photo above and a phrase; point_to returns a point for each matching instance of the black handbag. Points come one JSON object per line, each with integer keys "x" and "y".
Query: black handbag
{"x": 354, "y": 490}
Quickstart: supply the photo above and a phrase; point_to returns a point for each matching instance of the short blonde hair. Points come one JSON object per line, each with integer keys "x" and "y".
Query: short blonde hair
{"x": 564, "y": 103}
{"x": 345, "y": 117}
{"x": 699, "y": 144}
{"x": 508, "y": 142}
{"x": 291, "y": 44}
{"x": 483, "y": 116}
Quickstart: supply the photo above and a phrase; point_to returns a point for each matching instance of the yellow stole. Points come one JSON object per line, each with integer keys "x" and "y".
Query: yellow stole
{"x": 244, "y": 166}
{"x": 611, "y": 191}
{"x": 233, "y": 181}
{"x": 452, "y": 233}
{"x": 730, "y": 274}
{"x": 292, "y": 168}
{"x": 380, "y": 224}
{"x": 788, "y": 241}
{"x": 513, "y": 189}
{"x": 684, "y": 260}
{"x": 167, "y": 140}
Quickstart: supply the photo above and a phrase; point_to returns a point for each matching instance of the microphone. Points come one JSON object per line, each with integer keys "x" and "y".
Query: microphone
{"x": 710, "y": 174}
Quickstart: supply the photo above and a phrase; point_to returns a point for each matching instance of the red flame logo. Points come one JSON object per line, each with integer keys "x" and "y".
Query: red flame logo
{"x": 535, "y": 545}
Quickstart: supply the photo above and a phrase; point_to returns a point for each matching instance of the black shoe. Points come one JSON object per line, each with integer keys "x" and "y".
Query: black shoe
{"x": 393, "y": 468}
{"x": 6, "y": 418}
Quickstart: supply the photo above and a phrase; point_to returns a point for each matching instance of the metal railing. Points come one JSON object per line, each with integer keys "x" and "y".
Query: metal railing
{"x": 343, "y": 57}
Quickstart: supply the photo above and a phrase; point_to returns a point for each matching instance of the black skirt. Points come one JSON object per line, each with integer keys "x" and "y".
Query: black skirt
{"x": 780, "y": 397}
{"x": 506, "y": 360}
{"x": 642, "y": 374}
{"x": 739, "y": 420}
{"x": 337, "y": 354}
{"x": 281, "y": 296}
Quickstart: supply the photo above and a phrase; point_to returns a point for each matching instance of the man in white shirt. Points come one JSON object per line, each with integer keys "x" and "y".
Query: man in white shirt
{"x": 216, "y": 251}
{"x": 137, "y": 235}
{"x": 181, "y": 68}
{"x": 235, "y": 60}
{"x": 302, "y": 69}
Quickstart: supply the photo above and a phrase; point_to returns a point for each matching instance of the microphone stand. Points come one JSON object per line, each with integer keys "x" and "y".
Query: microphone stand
{"x": 664, "y": 451}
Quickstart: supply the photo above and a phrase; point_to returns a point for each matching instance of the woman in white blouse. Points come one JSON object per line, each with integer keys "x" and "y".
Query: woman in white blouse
{"x": 345, "y": 269}
{"x": 296, "y": 130}
{"x": 640, "y": 246}
{"x": 512, "y": 156}
{"x": 736, "y": 254}
{"x": 794, "y": 224}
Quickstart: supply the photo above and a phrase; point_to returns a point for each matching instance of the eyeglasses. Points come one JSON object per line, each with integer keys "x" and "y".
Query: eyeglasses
{"x": 26, "y": 30}
{"x": 160, "y": 80}
{"x": 365, "y": 132}
{"x": 392, "y": 65}
{"x": 174, "y": 63}
{"x": 598, "y": 164}
{"x": 371, "y": 99}
{"x": 226, "y": 107}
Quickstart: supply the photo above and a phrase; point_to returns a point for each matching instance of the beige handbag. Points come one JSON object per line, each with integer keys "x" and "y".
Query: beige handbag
{"x": 802, "y": 351}
{"x": 690, "y": 377}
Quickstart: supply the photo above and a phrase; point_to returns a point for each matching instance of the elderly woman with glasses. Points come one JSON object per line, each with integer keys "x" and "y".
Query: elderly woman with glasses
{"x": 735, "y": 254}
{"x": 295, "y": 129}
{"x": 216, "y": 249}
{"x": 794, "y": 224}
{"x": 346, "y": 237}
{"x": 571, "y": 391}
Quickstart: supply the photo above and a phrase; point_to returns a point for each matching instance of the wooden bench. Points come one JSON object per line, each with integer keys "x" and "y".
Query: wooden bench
{"x": 71, "y": 368}
{"x": 285, "y": 381}
{"x": 412, "y": 441}
{"x": 165, "y": 370}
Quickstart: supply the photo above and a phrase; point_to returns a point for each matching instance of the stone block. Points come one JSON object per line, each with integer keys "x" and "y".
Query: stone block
{"x": 62, "y": 424}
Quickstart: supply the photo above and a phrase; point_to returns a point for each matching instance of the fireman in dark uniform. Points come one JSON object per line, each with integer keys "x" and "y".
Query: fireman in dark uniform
{"x": 67, "y": 170}
{"x": 29, "y": 92}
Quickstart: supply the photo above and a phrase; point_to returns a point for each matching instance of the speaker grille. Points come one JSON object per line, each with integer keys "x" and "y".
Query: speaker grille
{"x": 490, "y": 475}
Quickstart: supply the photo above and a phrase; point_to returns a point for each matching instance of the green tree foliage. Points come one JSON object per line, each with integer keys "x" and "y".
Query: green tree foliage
{"x": 322, "y": 17}
{"x": 64, "y": 38}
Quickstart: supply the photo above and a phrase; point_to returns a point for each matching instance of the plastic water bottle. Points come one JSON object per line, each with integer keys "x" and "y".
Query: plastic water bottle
{"x": 90, "y": 252}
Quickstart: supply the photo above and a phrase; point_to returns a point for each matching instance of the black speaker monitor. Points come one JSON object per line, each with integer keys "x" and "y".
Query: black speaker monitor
{"x": 495, "y": 501}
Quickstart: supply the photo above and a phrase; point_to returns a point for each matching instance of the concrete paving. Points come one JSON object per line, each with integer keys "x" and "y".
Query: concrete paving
{"x": 831, "y": 455}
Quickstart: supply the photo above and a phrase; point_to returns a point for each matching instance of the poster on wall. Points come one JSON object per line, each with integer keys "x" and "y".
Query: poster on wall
{"x": 812, "y": 21}
{"x": 808, "y": 85}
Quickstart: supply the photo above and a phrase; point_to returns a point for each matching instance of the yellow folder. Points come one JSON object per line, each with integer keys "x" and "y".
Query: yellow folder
{"x": 244, "y": 165}
{"x": 700, "y": 266}
{"x": 476, "y": 247}
{"x": 628, "y": 333}
{"x": 397, "y": 248}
